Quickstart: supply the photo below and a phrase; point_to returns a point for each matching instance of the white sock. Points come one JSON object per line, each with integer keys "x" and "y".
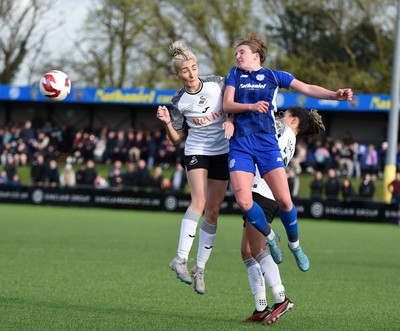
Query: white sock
{"x": 207, "y": 235}
{"x": 188, "y": 233}
{"x": 257, "y": 284}
{"x": 272, "y": 275}
{"x": 294, "y": 244}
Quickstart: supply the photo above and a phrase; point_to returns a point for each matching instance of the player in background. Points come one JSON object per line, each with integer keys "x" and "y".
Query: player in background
{"x": 293, "y": 122}
{"x": 198, "y": 107}
{"x": 251, "y": 93}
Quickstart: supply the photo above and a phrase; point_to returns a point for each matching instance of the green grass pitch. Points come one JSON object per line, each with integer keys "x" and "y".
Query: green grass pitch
{"x": 103, "y": 269}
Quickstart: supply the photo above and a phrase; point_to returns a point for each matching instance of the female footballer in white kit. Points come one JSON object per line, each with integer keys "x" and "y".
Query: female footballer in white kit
{"x": 197, "y": 106}
{"x": 259, "y": 263}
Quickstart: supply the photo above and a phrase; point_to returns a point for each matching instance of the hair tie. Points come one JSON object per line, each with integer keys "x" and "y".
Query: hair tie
{"x": 176, "y": 52}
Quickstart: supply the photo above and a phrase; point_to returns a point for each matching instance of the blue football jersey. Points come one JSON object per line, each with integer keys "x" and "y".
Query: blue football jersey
{"x": 251, "y": 87}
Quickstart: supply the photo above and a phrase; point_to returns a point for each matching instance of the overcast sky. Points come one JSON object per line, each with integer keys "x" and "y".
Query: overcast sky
{"x": 73, "y": 12}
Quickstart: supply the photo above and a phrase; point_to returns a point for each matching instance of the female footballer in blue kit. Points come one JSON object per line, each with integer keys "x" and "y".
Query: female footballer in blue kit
{"x": 198, "y": 107}
{"x": 250, "y": 94}
{"x": 295, "y": 121}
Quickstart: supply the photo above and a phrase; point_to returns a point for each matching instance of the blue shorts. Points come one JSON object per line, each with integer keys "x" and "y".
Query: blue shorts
{"x": 257, "y": 148}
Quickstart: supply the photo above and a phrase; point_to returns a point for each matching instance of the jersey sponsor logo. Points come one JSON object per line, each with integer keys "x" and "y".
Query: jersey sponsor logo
{"x": 193, "y": 161}
{"x": 209, "y": 119}
{"x": 253, "y": 86}
{"x": 232, "y": 163}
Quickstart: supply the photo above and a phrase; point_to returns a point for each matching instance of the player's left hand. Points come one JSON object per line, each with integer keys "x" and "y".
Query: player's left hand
{"x": 229, "y": 129}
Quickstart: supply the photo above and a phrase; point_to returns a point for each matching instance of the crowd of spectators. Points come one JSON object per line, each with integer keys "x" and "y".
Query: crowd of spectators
{"x": 60, "y": 156}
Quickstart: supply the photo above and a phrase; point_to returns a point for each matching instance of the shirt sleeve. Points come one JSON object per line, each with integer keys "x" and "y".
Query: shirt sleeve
{"x": 231, "y": 77}
{"x": 284, "y": 78}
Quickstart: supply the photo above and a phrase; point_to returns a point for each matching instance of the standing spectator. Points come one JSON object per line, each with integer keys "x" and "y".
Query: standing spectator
{"x": 15, "y": 181}
{"x": 120, "y": 150}
{"x": 178, "y": 178}
{"x": 99, "y": 148}
{"x": 356, "y": 159}
{"x": 27, "y": 133}
{"x": 335, "y": 156}
{"x": 394, "y": 189}
{"x": 346, "y": 166}
{"x": 382, "y": 158}
{"x": 141, "y": 145}
{"x": 110, "y": 146}
{"x": 68, "y": 177}
{"x": 371, "y": 159}
{"x": 129, "y": 177}
{"x": 115, "y": 175}
{"x": 80, "y": 175}
{"x": 115, "y": 179}
{"x": 116, "y": 166}
{"x": 89, "y": 144}
{"x": 38, "y": 171}
{"x": 10, "y": 167}
{"x": 21, "y": 153}
{"x": 133, "y": 150}
{"x": 294, "y": 183}
{"x": 347, "y": 190}
{"x": 321, "y": 157}
{"x": 52, "y": 174}
{"x": 154, "y": 146}
{"x": 143, "y": 176}
{"x": 317, "y": 185}
{"x": 158, "y": 182}
{"x": 367, "y": 188}
{"x": 300, "y": 157}
{"x": 332, "y": 186}
{"x": 3, "y": 178}
{"x": 90, "y": 174}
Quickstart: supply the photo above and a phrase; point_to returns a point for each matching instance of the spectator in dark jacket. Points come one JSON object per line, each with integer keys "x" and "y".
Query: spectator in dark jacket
{"x": 38, "y": 171}
{"x": 347, "y": 190}
{"x": 129, "y": 177}
{"x": 52, "y": 174}
{"x": 367, "y": 188}
{"x": 143, "y": 176}
{"x": 394, "y": 189}
{"x": 80, "y": 175}
{"x": 317, "y": 185}
{"x": 332, "y": 185}
{"x": 90, "y": 174}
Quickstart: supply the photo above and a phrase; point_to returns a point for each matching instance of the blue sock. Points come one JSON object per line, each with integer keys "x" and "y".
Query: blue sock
{"x": 289, "y": 220}
{"x": 255, "y": 215}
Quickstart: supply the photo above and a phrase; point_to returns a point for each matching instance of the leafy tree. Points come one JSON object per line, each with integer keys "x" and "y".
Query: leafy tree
{"x": 336, "y": 43}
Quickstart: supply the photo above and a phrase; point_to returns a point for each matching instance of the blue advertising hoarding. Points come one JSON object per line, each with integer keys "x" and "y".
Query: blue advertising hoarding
{"x": 151, "y": 97}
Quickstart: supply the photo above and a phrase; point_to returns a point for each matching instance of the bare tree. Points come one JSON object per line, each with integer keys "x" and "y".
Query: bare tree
{"x": 126, "y": 42}
{"x": 19, "y": 36}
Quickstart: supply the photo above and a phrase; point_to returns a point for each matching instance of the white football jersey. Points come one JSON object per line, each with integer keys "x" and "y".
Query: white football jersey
{"x": 287, "y": 143}
{"x": 202, "y": 113}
